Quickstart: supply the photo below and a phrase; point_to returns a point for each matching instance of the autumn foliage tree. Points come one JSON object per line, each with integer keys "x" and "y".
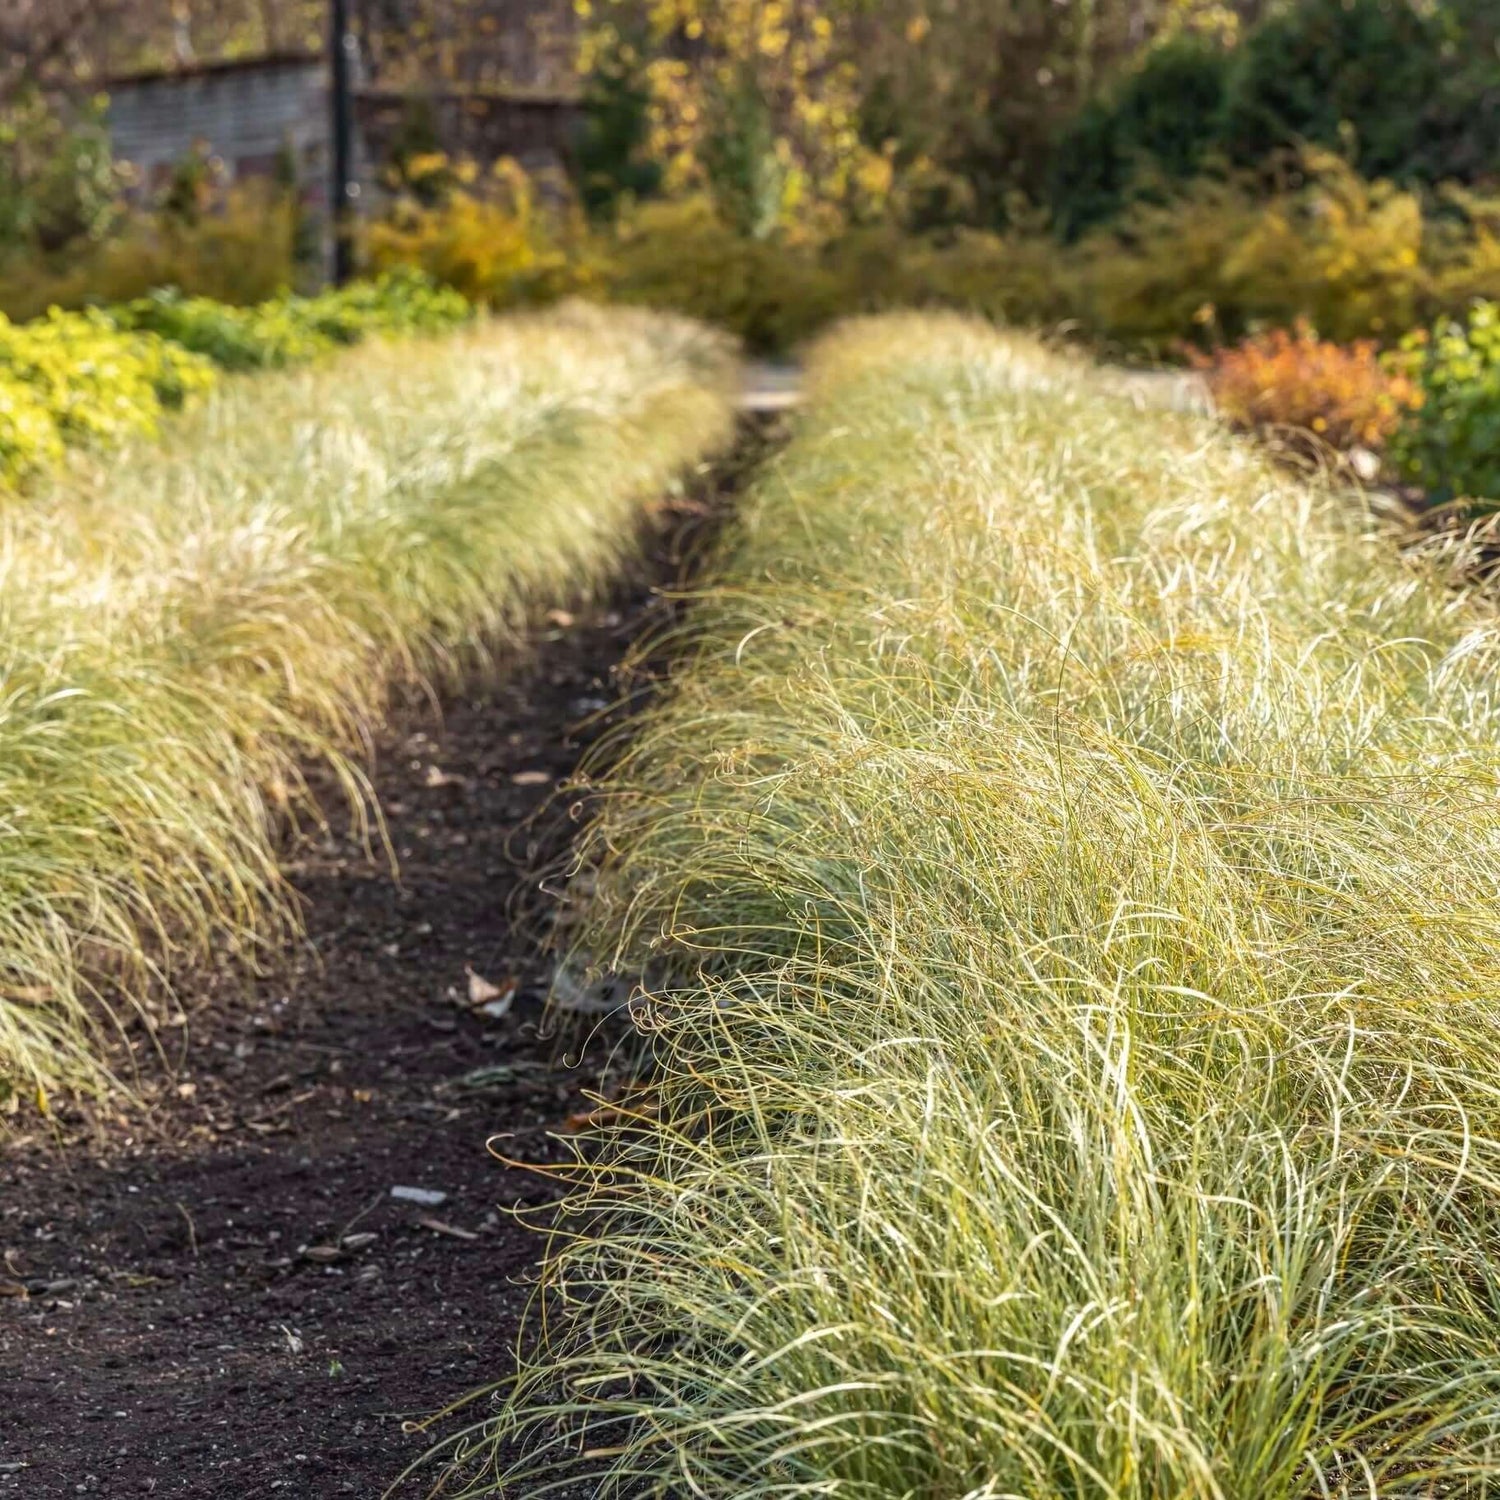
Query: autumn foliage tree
{"x": 755, "y": 101}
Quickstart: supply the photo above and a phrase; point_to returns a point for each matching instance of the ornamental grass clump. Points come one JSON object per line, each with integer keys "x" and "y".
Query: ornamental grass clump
{"x": 1066, "y": 866}
{"x": 186, "y": 625}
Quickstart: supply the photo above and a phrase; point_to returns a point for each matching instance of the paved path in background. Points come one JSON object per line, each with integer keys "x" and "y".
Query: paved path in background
{"x": 769, "y": 387}
{"x": 773, "y": 386}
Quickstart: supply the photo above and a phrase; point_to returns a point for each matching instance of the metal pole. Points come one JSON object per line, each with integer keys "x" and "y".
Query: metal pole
{"x": 344, "y": 188}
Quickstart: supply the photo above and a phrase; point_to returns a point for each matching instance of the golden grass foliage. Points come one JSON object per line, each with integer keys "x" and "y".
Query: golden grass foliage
{"x": 184, "y": 626}
{"x": 1067, "y": 870}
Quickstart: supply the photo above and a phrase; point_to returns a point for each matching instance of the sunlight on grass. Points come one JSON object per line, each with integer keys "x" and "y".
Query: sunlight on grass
{"x": 1077, "y": 845}
{"x": 182, "y": 628}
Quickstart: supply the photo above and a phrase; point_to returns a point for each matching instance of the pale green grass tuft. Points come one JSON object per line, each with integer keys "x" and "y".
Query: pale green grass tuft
{"x": 184, "y": 628}
{"x": 1078, "y": 844}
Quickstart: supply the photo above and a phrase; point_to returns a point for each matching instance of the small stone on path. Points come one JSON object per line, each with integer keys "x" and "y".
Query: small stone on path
{"x": 427, "y": 1197}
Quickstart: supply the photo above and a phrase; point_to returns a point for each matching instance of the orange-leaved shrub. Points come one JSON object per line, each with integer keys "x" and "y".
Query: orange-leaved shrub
{"x": 1291, "y": 382}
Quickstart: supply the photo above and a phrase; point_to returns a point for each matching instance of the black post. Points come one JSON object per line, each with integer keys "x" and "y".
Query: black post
{"x": 344, "y": 188}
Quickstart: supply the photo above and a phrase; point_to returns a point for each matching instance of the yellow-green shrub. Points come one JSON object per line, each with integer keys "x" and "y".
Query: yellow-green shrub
{"x": 29, "y": 439}
{"x": 776, "y": 293}
{"x": 682, "y": 256}
{"x": 1014, "y": 278}
{"x": 76, "y": 379}
{"x": 504, "y": 251}
{"x": 1343, "y": 254}
{"x": 1220, "y": 259}
{"x": 1355, "y": 259}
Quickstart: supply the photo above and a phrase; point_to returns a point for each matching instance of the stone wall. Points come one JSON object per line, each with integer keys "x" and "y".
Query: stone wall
{"x": 248, "y": 116}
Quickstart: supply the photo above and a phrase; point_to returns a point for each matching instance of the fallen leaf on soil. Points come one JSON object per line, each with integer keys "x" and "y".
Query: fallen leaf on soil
{"x": 437, "y": 1226}
{"x": 427, "y": 1197}
{"x": 260, "y": 1122}
{"x": 531, "y": 778}
{"x": 493, "y": 999}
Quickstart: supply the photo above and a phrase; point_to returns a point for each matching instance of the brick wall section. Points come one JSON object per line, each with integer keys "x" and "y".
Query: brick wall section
{"x": 247, "y": 115}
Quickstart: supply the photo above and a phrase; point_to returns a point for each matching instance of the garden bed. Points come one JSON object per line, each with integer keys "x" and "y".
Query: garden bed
{"x": 211, "y": 1284}
{"x": 1068, "y": 869}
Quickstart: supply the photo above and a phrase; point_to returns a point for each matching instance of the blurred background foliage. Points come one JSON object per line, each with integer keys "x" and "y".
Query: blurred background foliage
{"x": 1145, "y": 173}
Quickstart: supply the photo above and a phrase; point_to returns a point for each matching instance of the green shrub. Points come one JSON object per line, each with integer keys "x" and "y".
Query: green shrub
{"x": 237, "y": 338}
{"x": 1337, "y": 73}
{"x": 1403, "y": 91}
{"x": 611, "y": 153}
{"x": 289, "y": 330}
{"x": 1160, "y": 125}
{"x": 1450, "y": 444}
{"x": 58, "y": 182}
{"x": 401, "y": 300}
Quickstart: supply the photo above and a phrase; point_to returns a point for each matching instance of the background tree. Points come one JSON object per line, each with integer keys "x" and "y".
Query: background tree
{"x": 749, "y": 99}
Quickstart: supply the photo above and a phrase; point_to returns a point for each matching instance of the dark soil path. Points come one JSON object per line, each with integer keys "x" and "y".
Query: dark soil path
{"x": 221, "y": 1296}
